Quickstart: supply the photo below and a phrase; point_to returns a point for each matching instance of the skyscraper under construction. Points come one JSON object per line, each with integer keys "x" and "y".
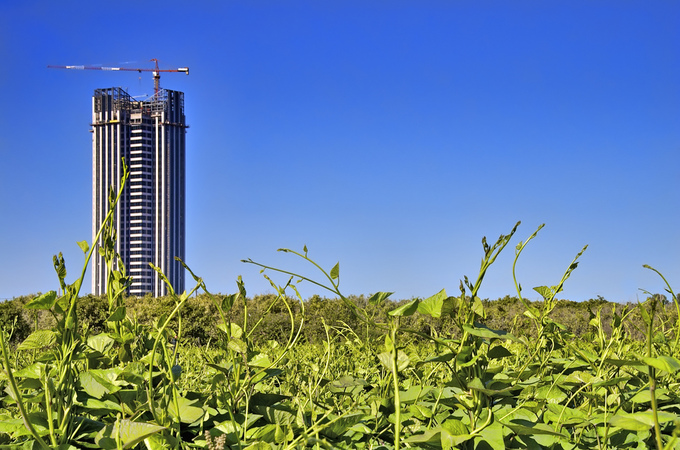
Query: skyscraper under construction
{"x": 150, "y": 217}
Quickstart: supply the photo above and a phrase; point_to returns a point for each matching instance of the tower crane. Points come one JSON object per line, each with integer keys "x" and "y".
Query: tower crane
{"x": 156, "y": 71}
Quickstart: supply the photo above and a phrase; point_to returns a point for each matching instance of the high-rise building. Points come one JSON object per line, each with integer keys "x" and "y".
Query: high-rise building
{"x": 150, "y": 216}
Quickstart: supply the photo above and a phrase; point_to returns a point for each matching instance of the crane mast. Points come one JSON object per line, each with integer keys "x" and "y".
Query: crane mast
{"x": 156, "y": 71}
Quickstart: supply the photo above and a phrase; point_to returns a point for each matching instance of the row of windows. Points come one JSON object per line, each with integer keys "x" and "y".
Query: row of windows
{"x": 144, "y": 176}
{"x": 141, "y": 183}
{"x": 134, "y": 245}
{"x": 139, "y": 260}
{"x": 142, "y": 200}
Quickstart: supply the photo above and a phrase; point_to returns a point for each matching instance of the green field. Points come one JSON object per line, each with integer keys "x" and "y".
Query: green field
{"x": 228, "y": 371}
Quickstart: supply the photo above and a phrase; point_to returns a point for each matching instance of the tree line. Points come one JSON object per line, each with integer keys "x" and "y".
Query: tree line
{"x": 321, "y": 315}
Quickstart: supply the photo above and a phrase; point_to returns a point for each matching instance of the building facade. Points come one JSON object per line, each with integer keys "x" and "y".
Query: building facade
{"x": 150, "y": 216}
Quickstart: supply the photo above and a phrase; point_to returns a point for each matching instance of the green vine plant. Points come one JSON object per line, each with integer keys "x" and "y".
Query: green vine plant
{"x": 57, "y": 374}
{"x": 550, "y": 335}
{"x": 467, "y": 358}
{"x": 424, "y": 373}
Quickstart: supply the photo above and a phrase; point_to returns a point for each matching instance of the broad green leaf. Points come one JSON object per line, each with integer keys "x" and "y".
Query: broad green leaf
{"x": 44, "y": 301}
{"x": 640, "y": 421}
{"x": 235, "y": 330}
{"x": 130, "y": 433}
{"x": 160, "y": 442}
{"x": 476, "y": 384}
{"x": 35, "y": 371}
{"x": 262, "y": 433}
{"x": 464, "y": 357}
{"x": 228, "y": 301}
{"x": 237, "y": 345}
{"x": 496, "y": 388}
{"x": 260, "y": 360}
{"x": 420, "y": 412}
{"x": 414, "y": 393}
{"x": 188, "y": 412}
{"x": 386, "y": 359}
{"x": 645, "y": 396}
{"x": 522, "y": 426}
{"x": 277, "y": 414}
{"x": 118, "y": 314}
{"x": 102, "y": 407}
{"x": 379, "y": 297}
{"x": 665, "y": 363}
{"x": 340, "y": 426}
{"x": 454, "y": 432}
{"x": 498, "y": 352}
{"x": 92, "y": 386}
{"x": 552, "y": 395}
{"x": 406, "y": 309}
{"x": 545, "y": 291}
{"x": 346, "y": 382}
{"x": 101, "y": 342}
{"x": 62, "y": 304}
{"x": 133, "y": 373}
{"x": 492, "y": 436}
{"x": 487, "y": 333}
{"x": 283, "y": 434}
{"x": 455, "y": 427}
{"x": 347, "y": 385}
{"x": 431, "y": 437}
{"x": 467, "y": 363}
{"x": 624, "y": 362}
{"x": 450, "y": 441}
{"x": 84, "y": 246}
{"x": 546, "y": 441}
{"x": 335, "y": 271}
{"x": 39, "y": 422}
{"x": 436, "y": 305}
{"x": 9, "y": 425}
{"x": 442, "y": 357}
{"x": 562, "y": 415}
{"x": 98, "y": 383}
{"x": 38, "y": 339}
{"x": 478, "y": 307}
{"x": 265, "y": 374}
{"x": 611, "y": 382}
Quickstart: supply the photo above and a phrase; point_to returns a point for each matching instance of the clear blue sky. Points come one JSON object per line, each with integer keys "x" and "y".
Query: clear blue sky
{"x": 388, "y": 136}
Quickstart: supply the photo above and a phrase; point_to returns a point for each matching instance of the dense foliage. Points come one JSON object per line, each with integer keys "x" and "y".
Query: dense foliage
{"x": 196, "y": 370}
{"x": 200, "y": 315}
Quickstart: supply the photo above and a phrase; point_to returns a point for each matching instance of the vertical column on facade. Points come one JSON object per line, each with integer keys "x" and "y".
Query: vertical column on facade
{"x": 96, "y": 170}
{"x": 159, "y": 184}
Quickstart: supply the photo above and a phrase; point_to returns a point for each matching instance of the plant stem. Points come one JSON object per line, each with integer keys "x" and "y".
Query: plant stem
{"x": 395, "y": 380}
{"x": 17, "y": 395}
{"x": 652, "y": 378}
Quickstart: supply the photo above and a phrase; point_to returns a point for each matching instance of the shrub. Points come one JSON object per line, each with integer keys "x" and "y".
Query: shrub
{"x": 13, "y": 320}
